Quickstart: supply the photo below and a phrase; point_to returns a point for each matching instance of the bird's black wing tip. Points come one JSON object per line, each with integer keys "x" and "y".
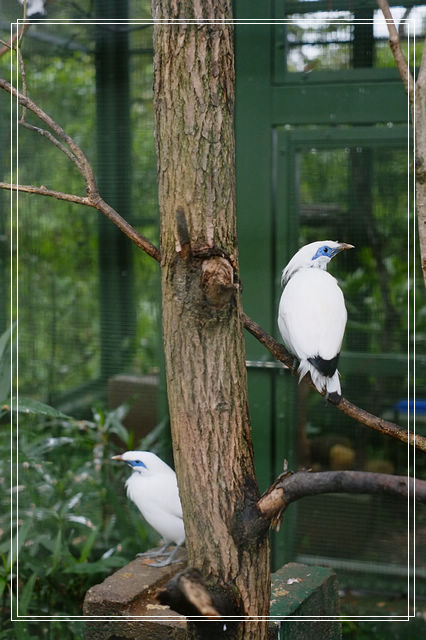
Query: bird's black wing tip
{"x": 326, "y": 367}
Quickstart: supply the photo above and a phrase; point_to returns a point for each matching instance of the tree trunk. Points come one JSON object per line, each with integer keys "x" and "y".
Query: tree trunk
{"x": 202, "y": 323}
{"x": 420, "y": 159}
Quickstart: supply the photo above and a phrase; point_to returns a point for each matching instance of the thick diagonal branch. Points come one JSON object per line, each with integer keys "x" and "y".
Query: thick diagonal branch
{"x": 93, "y": 199}
{"x": 290, "y": 487}
{"x": 360, "y": 415}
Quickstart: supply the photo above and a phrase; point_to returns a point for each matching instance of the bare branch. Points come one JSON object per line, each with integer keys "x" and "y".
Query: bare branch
{"x": 417, "y": 114}
{"x": 278, "y": 350}
{"x": 42, "y": 191}
{"x": 96, "y": 202}
{"x": 24, "y": 81}
{"x": 7, "y": 46}
{"x": 395, "y": 45}
{"x": 360, "y": 415}
{"x": 52, "y": 139}
{"x": 76, "y": 155}
{"x": 290, "y": 487}
{"x": 139, "y": 240}
{"x": 84, "y": 165}
{"x": 93, "y": 199}
{"x": 380, "y": 424}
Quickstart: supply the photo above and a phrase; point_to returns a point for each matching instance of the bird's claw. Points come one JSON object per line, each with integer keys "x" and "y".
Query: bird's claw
{"x": 153, "y": 554}
{"x": 169, "y": 560}
{"x": 164, "y": 563}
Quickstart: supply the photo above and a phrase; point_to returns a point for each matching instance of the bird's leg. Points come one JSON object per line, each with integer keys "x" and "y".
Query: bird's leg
{"x": 154, "y": 554}
{"x": 169, "y": 560}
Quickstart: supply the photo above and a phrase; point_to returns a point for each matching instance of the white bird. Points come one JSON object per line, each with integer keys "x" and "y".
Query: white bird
{"x": 153, "y": 488}
{"x": 35, "y": 8}
{"x": 312, "y": 314}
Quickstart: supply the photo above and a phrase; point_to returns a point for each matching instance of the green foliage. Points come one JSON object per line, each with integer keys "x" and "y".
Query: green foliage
{"x": 57, "y": 240}
{"x": 5, "y": 368}
{"x": 58, "y": 265}
{"x": 72, "y": 524}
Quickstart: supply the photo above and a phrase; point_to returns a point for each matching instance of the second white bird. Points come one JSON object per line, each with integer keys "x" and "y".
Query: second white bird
{"x": 153, "y": 488}
{"x": 312, "y": 314}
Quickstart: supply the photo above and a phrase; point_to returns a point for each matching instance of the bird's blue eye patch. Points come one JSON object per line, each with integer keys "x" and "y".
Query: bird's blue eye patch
{"x": 136, "y": 463}
{"x": 325, "y": 251}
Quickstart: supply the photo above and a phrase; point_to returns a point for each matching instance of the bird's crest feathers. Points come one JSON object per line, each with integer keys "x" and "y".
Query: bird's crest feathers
{"x": 144, "y": 462}
{"x": 314, "y": 255}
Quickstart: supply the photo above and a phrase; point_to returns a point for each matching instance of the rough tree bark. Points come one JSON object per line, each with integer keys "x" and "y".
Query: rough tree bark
{"x": 202, "y": 316}
{"x": 420, "y": 158}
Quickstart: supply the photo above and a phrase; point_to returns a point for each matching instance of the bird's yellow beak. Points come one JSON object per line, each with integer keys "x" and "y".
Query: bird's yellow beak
{"x": 117, "y": 458}
{"x": 346, "y": 246}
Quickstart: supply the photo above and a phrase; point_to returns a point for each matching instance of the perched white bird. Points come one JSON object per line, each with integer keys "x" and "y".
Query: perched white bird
{"x": 153, "y": 488}
{"x": 35, "y": 8}
{"x": 312, "y": 314}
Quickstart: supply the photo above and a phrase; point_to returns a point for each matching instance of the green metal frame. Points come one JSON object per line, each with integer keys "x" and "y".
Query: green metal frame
{"x": 356, "y": 93}
{"x": 271, "y": 108}
{"x": 117, "y": 304}
{"x": 288, "y": 7}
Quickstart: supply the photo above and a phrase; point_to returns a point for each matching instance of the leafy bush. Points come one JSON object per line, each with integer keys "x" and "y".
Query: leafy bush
{"x": 71, "y": 522}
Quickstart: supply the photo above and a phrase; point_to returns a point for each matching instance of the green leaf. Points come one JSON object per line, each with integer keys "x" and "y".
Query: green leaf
{"x": 5, "y": 365}
{"x": 157, "y": 433}
{"x": 117, "y": 415}
{"x": 121, "y": 431}
{"x": 25, "y": 597}
{"x": 30, "y": 406}
{"x": 19, "y": 632}
{"x": 3, "y": 583}
{"x": 100, "y": 566}
{"x": 15, "y": 547}
{"x": 4, "y": 341}
{"x": 57, "y": 550}
{"x": 88, "y": 545}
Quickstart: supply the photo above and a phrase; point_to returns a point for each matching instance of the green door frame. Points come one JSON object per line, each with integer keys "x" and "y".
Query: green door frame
{"x": 271, "y": 107}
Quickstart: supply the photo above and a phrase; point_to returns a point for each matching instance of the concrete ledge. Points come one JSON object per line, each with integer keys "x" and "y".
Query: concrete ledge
{"x": 305, "y": 591}
{"x": 297, "y": 590}
{"x": 130, "y": 591}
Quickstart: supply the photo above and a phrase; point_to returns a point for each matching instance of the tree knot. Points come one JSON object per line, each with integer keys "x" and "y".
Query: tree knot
{"x": 217, "y": 281}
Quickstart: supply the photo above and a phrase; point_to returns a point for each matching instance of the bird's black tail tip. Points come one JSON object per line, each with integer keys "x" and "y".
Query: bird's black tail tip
{"x": 333, "y": 397}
